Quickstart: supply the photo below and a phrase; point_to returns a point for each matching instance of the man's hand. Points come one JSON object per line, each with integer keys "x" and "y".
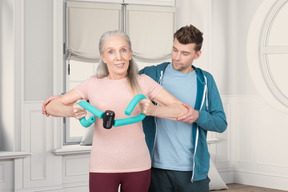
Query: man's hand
{"x": 190, "y": 117}
{"x": 78, "y": 111}
{"x": 44, "y": 112}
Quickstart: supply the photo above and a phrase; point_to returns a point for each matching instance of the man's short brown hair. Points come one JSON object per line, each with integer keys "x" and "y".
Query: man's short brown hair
{"x": 189, "y": 34}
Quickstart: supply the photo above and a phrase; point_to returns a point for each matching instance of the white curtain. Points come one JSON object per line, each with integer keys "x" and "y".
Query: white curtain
{"x": 150, "y": 29}
{"x": 85, "y": 23}
{"x": 151, "y": 32}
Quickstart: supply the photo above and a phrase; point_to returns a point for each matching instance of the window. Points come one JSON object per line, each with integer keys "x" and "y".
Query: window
{"x": 86, "y": 22}
{"x": 267, "y": 51}
{"x": 77, "y": 72}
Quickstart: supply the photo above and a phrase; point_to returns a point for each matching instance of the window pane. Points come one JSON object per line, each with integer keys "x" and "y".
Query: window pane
{"x": 79, "y": 72}
{"x": 278, "y": 64}
{"x": 279, "y": 30}
{"x": 76, "y": 129}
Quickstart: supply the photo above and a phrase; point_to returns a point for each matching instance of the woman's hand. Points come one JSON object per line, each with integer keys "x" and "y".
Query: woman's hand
{"x": 44, "y": 111}
{"x": 147, "y": 107}
{"x": 78, "y": 111}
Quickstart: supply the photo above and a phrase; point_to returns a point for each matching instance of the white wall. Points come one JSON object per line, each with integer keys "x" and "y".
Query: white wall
{"x": 7, "y": 75}
{"x": 253, "y": 148}
{"x": 251, "y": 151}
{"x": 38, "y": 58}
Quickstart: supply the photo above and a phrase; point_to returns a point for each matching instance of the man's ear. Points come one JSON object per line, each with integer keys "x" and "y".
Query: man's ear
{"x": 131, "y": 53}
{"x": 198, "y": 54}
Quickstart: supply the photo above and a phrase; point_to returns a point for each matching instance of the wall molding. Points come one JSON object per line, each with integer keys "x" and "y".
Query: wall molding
{"x": 10, "y": 155}
{"x": 261, "y": 180}
{"x": 250, "y": 163}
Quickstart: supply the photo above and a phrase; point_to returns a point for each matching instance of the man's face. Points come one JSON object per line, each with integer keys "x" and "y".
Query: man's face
{"x": 183, "y": 56}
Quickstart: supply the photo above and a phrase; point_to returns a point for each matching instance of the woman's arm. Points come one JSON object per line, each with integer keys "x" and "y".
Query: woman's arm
{"x": 66, "y": 106}
{"x": 168, "y": 106}
{"x": 45, "y": 103}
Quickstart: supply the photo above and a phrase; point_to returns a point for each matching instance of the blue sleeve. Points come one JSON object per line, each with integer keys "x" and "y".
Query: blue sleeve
{"x": 213, "y": 119}
{"x": 150, "y": 71}
{"x": 141, "y": 71}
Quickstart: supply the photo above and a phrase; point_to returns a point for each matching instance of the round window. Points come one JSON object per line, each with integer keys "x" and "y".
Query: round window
{"x": 267, "y": 52}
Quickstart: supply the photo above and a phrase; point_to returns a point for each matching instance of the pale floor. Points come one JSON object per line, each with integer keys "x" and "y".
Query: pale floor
{"x": 247, "y": 188}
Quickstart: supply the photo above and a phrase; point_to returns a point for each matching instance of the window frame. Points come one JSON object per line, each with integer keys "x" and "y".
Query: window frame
{"x": 66, "y": 140}
{"x": 257, "y": 51}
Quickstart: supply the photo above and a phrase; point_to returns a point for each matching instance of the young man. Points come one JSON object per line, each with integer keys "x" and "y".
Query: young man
{"x": 180, "y": 157}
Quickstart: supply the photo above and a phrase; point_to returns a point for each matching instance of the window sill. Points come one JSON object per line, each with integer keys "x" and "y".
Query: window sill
{"x": 72, "y": 150}
{"x": 77, "y": 149}
{"x": 4, "y": 155}
{"x": 212, "y": 140}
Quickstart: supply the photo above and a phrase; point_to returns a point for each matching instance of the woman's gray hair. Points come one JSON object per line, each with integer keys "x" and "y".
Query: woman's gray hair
{"x": 102, "y": 70}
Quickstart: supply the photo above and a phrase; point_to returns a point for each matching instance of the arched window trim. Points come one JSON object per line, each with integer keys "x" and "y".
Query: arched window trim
{"x": 258, "y": 49}
{"x": 265, "y": 50}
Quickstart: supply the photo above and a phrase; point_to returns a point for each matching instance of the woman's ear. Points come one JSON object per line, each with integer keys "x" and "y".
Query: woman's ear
{"x": 103, "y": 58}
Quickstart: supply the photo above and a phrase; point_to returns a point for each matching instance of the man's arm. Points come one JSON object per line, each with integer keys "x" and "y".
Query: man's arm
{"x": 191, "y": 116}
{"x": 214, "y": 118}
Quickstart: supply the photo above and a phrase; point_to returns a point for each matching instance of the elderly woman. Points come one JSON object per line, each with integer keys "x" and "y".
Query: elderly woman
{"x": 118, "y": 155}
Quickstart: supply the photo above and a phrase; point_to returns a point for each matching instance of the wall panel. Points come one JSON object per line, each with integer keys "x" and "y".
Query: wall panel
{"x": 6, "y": 175}
{"x": 244, "y": 132}
{"x": 37, "y": 49}
{"x": 76, "y": 169}
{"x": 42, "y": 168}
{"x": 258, "y": 144}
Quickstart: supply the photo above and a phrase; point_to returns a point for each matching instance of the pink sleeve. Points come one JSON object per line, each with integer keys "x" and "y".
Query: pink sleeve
{"x": 150, "y": 87}
{"x": 83, "y": 88}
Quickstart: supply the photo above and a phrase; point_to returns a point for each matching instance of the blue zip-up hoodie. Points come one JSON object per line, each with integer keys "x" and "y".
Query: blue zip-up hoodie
{"x": 211, "y": 117}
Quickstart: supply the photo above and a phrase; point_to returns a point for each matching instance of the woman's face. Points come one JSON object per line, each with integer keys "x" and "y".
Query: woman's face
{"x": 116, "y": 54}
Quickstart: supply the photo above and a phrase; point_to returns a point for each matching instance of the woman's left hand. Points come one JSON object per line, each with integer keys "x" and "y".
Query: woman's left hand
{"x": 78, "y": 111}
{"x": 146, "y": 107}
